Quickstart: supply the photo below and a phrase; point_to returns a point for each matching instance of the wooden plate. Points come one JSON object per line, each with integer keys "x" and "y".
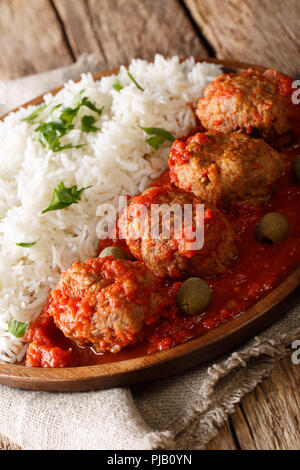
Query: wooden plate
{"x": 174, "y": 360}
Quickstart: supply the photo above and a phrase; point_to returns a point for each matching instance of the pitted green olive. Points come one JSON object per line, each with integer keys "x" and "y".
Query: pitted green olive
{"x": 297, "y": 167}
{"x": 194, "y": 296}
{"x": 272, "y": 228}
{"x": 113, "y": 251}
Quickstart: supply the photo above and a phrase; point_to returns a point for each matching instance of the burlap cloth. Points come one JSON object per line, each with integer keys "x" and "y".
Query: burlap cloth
{"x": 182, "y": 412}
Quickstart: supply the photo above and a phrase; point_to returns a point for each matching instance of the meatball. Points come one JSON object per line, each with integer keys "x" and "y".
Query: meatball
{"x": 107, "y": 304}
{"x": 225, "y": 169}
{"x": 166, "y": 243}
{"x": 249, "y": 101}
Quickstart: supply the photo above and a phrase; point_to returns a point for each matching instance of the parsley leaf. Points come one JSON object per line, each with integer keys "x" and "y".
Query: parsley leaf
{"x": 63, "y": 197}
{"x": 158, "y": 136}
{"x": 33, "y": 116}
{"x": 117, "y": 85}
{"x": 27, "y": 245}
{"x": 78, "y": 97}
{"x": 135, "y": 82}
{"x": 87, "y": 124}
{"x": 85, "y": 102}
{"x": 68, "y": 115}
{"x": 49, "y": 133}
{"x": 17, "y": 328}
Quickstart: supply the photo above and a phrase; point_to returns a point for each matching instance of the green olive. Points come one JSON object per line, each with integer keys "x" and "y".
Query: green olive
{"x": 297, "y": 167}
{"x": 113, "y": 251}
{"x": 194, "y": 296}
{"x": 272, "y": 228}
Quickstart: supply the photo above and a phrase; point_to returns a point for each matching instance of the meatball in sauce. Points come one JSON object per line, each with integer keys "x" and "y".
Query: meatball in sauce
{"x": 226, "y": 169}
{"x": 107, "y": 304}
{"x": 251, "y": 101}
{"x": 173, "y": 256}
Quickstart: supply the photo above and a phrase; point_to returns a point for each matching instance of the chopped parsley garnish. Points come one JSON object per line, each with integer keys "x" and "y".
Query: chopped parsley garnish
{"x": 85, "y": 102}
{"x": 50, "y": 133}
{"x": 135, "y": 82}
{"x": 17, "y": 328}
{"x": 27, "y": 245}
{"x": 33, "y": 116}
{"x": 158, "y": 136}
{"x": 63, "y": 197}
{"x": 87, "y": 124}
{"x": 78, "y": 97}
{"x": 117, "y": 85}
{"x": 68, "y": 115}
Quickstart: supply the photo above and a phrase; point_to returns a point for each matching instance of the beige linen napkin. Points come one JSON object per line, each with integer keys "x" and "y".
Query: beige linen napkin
{"x": 182, "y": 412}
{"x": 17, "y": 92}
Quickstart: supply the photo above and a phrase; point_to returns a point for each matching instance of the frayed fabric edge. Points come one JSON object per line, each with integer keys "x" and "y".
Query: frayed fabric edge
{"x": 275, "y": 349}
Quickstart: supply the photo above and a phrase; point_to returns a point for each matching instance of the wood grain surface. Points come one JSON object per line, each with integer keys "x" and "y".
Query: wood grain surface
{"x": 37, "y": 35}
{"x": 260, "y": 31}
{"x": 119, "y": 30}
{"x": 31, "y": 38}
{"x": 267, "y": 418}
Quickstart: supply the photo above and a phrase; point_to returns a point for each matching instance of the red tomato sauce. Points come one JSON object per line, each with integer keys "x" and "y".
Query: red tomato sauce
{"x": 257, "y": 271}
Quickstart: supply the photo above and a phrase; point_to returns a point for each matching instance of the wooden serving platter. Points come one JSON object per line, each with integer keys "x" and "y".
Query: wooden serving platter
{"x": 174, "y": 360}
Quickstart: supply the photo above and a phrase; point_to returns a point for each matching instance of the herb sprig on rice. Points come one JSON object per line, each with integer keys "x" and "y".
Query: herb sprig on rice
{"x": 49, "y": 134}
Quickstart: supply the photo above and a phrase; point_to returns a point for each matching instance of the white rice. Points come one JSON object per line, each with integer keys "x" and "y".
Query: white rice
{"x": 113, "y": 163}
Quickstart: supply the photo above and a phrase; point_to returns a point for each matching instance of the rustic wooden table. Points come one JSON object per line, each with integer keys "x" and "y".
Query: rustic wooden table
{"x": 38, "y": 35}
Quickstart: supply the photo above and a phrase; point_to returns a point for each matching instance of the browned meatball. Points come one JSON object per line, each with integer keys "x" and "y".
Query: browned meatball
{"x": 249, "y": 101}
{"x": 173, "y": 254}
{"x": 107, "y": 304}
{"x": 225, "y": 170}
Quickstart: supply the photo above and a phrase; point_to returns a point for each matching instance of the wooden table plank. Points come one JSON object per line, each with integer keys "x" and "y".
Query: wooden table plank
{"x": 31, "y": 38}
{"x": 265, "y": 32}
{"x": 268, "y": 417}
{"x": 120, "y": 30}
{"x": 224, "y": 440}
